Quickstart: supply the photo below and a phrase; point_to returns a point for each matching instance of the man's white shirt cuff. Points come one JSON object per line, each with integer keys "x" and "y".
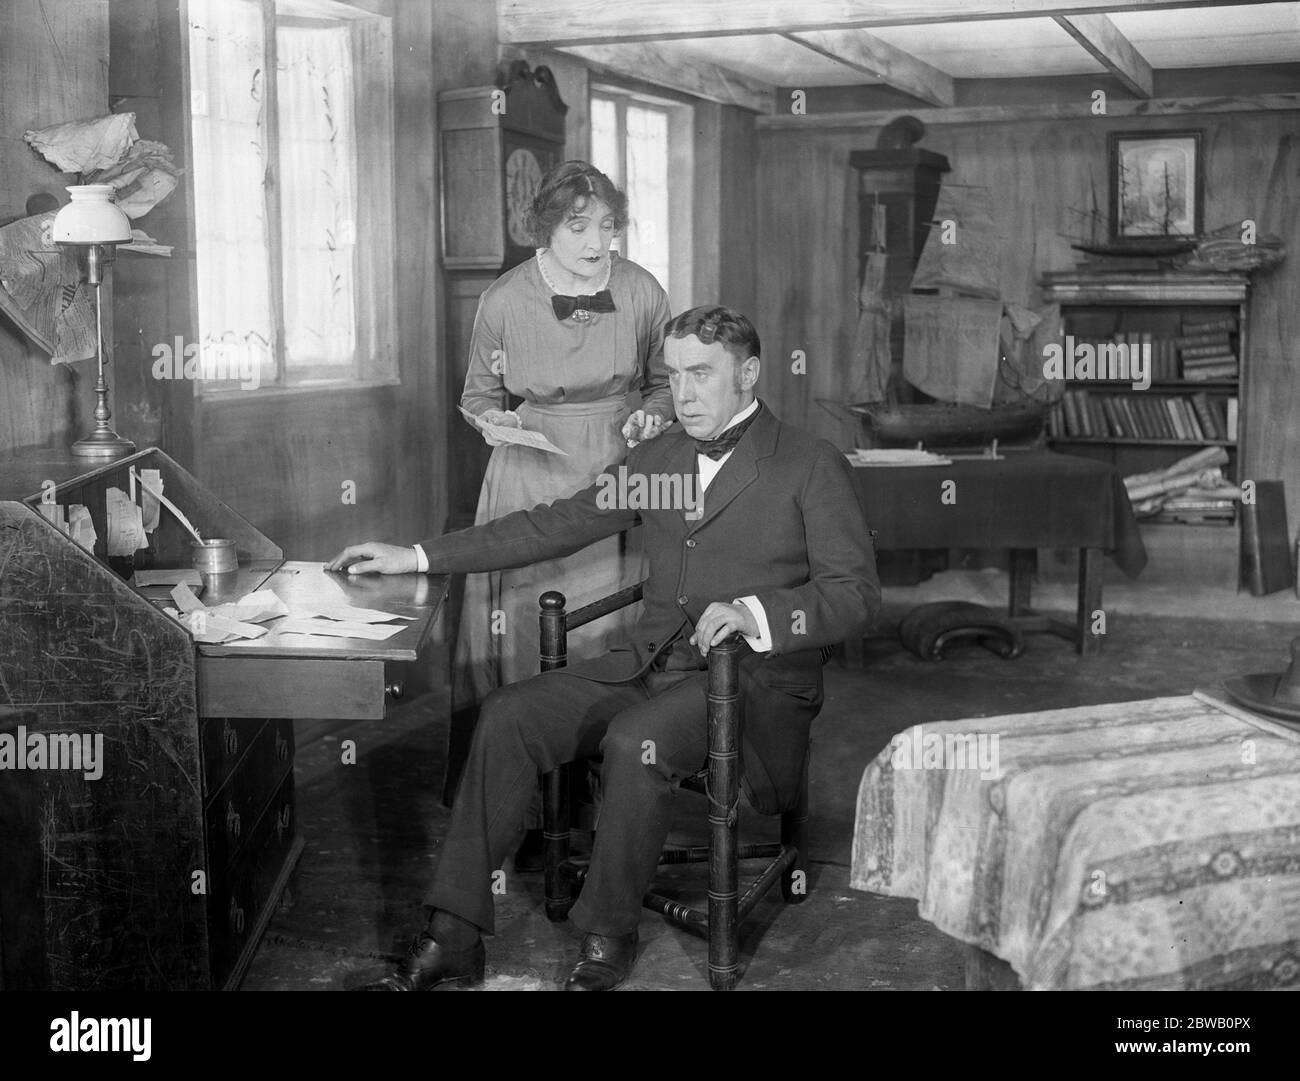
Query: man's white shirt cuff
{"x": 421, "y": 560}
{"x": 761, "y": 642}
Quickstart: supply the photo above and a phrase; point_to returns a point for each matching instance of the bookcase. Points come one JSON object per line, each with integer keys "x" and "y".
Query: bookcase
{"x": 1190, "y": 331}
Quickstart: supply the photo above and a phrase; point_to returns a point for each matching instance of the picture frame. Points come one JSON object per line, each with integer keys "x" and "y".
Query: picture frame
{"x": 1156, "y": 185}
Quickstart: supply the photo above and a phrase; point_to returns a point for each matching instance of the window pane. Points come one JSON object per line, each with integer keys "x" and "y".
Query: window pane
{"x": 318, "y": 207}
{"x": 604, "y": 148}
{"x": 604, "y": 138}
{"x": 228, "y": 95}
{"x": 647, "y": 189}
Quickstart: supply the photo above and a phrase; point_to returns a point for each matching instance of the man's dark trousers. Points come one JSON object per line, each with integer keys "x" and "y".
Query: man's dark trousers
{"x": 651, "y": 733}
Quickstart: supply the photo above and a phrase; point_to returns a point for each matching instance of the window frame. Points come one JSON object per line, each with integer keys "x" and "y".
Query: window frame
{"x": 681, "y": 173}
{"x": 374, "y": 253}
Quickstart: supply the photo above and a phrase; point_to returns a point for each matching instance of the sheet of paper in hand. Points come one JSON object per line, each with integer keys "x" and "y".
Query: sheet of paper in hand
{"x": 506, "y": 434}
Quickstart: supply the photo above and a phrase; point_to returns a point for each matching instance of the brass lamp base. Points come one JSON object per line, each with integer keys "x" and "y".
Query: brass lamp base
{"x": 103, "y": 444}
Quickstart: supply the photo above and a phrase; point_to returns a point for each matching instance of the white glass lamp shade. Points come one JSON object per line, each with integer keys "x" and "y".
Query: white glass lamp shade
{"x": 91, "y": 218}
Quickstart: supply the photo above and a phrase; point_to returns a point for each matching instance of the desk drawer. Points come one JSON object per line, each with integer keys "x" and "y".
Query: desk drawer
{"x": 223, "y": 743}
{"x": 242, "y": 895}
{"x": 232, "y": 811}
{"x": 343, "y": 689}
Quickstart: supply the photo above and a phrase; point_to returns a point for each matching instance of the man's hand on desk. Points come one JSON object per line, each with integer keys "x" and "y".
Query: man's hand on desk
{"x": 374, "y": 558}
{"x": 720, "y": 620}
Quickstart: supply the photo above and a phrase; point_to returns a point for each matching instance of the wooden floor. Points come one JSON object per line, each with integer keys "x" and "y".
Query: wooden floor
{"x": 373, "y": 829}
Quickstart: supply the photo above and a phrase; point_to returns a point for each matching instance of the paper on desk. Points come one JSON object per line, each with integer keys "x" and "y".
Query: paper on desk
{"x": 125, "y": 525}
{"x": 895, "y": 457}
{"x": 336, "y": 628}
{"x": 186, "y": 601}
{"x": 521, "y": 436}
{"x": 176, "y": 576}
{"x": 257, "y": 607}
{"x": 213, "y": 629}
{"x": 348, "y": 612}
{"x": 80, "y": 526}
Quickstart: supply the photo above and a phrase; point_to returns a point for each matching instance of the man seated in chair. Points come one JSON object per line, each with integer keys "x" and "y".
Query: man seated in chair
{"x": 779, "y": 552}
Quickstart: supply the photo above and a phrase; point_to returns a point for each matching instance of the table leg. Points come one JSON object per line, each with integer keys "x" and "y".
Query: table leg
{"x": 1089, "y": 600}
{"x": 1022, "y": 570}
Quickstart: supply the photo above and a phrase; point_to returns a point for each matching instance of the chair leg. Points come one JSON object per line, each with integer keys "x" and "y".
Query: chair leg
{"x": 557, "y": 886}
{"x": 794, "y": 833}
{"x": 724, "y": 798}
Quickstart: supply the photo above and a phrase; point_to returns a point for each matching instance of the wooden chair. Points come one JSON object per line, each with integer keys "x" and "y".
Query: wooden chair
{"x": 718, "y": 781}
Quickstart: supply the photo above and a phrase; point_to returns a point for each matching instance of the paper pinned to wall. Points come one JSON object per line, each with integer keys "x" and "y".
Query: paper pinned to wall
{"x": 41, "y": 291}
{"x": 82, "y": 146}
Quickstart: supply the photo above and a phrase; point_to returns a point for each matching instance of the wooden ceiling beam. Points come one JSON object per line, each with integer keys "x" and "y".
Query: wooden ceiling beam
{"x": 1015, "y": 114}
{"x": 653, "y": 64}
{"x": 554, "y": 23}
{"x": 870, "y": 55}
{"x": 1103, "y": 39}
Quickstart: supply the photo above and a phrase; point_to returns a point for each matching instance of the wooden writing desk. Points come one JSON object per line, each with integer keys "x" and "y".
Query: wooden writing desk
{"x": 163, "y": 872}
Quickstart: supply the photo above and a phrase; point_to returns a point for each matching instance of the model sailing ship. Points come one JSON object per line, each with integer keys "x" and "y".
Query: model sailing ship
{"x": 968, "y": 374}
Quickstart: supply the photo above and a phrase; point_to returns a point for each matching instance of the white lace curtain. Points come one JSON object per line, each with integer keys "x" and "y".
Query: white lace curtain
{"x": 317, "y": 188}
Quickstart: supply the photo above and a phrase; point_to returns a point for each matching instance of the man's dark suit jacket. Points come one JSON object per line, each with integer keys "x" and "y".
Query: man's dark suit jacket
{"x": 781, "y": 521}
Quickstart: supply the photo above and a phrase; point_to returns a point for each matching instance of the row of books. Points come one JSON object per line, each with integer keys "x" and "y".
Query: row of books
{"x": 1196, "y": 510}
{"x": 1202, "y": 351}
{"x": 1189, "y": 417}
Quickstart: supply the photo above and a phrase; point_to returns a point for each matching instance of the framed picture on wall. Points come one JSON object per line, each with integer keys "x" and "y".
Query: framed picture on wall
{"x": 1156, "y": 184}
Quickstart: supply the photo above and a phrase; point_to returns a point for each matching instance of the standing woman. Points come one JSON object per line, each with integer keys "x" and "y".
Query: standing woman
{"x": 577, "y": 333}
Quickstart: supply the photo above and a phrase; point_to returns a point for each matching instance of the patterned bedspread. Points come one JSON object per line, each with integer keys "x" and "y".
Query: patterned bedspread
{"x": 1141, "y": 845}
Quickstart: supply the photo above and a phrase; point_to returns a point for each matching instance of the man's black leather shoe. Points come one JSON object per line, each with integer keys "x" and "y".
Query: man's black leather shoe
{"x": 606, "y": 962}
{"x": 427, "y": 965}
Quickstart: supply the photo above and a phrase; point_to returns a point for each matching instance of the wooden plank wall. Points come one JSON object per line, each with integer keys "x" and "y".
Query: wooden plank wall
{"x": 53, "y": 67}
{"x": 153, "y": 296}
{"x": 807, "y": 227}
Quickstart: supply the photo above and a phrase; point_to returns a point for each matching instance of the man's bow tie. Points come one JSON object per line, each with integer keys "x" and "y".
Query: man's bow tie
{"x": 581, "y": 307}
{"x": 724, "y": 444}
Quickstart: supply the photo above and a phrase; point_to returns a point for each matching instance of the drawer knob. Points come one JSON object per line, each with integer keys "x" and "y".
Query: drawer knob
{"x": 282, "y": 820}
{"x": 231, "y": 739}
{"x": 232, "y": 821}
{"x": 281, "y": 746}
{"x": 395, "y": 690}
{"x": 236, "y": 917}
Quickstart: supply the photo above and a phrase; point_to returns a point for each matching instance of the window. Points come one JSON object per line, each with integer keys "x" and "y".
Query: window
{"x": 643, "y": 145}
{"x": 291, "y": 138}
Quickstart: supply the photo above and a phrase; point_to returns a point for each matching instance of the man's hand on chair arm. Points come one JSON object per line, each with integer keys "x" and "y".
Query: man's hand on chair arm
{"x": 720, "y": 620}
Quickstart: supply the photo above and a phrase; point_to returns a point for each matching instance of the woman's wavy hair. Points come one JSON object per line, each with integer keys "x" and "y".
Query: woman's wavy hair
{"x": 565, "y": 191}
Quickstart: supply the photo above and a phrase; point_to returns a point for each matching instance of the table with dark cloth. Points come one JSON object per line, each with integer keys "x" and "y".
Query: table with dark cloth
{"x": 1019, "y": 503}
